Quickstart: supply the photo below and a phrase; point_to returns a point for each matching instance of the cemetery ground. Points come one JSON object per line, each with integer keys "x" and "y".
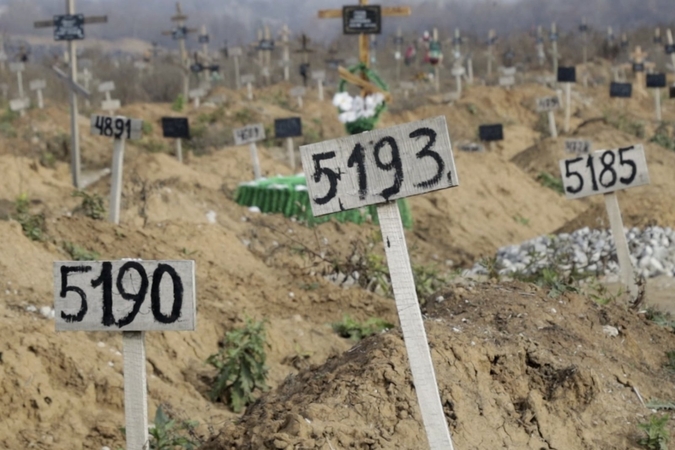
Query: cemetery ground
{"x": 546, "y": 362}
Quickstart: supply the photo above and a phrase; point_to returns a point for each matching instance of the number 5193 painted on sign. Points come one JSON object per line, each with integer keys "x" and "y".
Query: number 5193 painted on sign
{"x": 379, "y": 166}
{"x": 604, "y": 171}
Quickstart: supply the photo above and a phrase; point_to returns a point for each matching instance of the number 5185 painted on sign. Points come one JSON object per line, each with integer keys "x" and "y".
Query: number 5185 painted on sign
{"x": 604, "y": 171}
{"x": 379, "y": 166}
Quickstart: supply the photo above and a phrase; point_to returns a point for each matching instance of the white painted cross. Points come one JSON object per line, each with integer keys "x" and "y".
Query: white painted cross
{"x": 109, "y": 104}
{"x": 250, "y": 134}
{"x": 549, "y": 105}
{"x": 120, "y": 129}
{"x": 179, "y": 33}
{"x": 86, "y": 77}
{"x": 285, "y": 61}
{"x": 18, "y": 68}
{"x": 319, "y": 76}
{"x": 376, "y": 168}
{"x": 298, "y": 92}
{"x": 131, "y": 296}
{"x": 248, "y": 80}
{"x": 605, "y": 172}
{"x": 70, "y": 27}
{"x": 554, "y": 43}
{"x": 457, "y": 72}
{"x": 508, "y": 76}
{"x": 38, "y": 85}
{"x": 492, "y": 38}
{"x": 541, "y": 55}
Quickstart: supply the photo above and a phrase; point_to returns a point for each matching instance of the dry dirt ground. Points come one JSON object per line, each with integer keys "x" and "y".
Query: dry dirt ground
{"x": 517, "y": 369}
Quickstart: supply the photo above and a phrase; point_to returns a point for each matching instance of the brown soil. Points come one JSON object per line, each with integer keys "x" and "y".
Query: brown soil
{"x": 64, "y": 390}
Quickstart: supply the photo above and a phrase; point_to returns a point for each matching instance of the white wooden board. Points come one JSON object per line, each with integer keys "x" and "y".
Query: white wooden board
{"x": 110, "y": 105}
{"x": 17, "y": 67}
{"x": 116, "y": 127}
{"x": 458, "y": 71}
{"x": 37, "y": 84}
{"x": 578, "y": 146}
{"x": 196, "y": 93}
{"x": 19, "y": 103}
{"x": 140, "y": 65}
{"x": 379, "y": 166}
{"x": 546, "y": 104}
{"x": 265, "y": 72}
{"x": 319, "y": 75}
{"x": 106, "y": 86}
{"x": 507, "y": 71}
{"x": 154, "y": 295}
{"x": 234, "y": 51}
{"x": 509, "y": 80}
{"x": 297, "y": 91}
{"x": 248, "y": 79}
{"x": 604, "y": 171}
{"x": 249, "y": 133}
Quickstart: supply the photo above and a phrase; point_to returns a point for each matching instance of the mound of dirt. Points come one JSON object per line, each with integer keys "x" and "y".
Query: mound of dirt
{"x": 516, "y": 369}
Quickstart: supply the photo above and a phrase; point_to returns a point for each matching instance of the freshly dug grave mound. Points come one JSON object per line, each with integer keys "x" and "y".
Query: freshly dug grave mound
{"x": 516, "y": 369}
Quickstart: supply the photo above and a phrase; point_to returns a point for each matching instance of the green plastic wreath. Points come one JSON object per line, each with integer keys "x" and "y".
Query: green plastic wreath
{"x": 365, "y": 123}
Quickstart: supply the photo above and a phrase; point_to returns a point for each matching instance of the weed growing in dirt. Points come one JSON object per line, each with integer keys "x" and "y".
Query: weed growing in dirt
{"x": 47, "y": 159}
{"x": 553, "y": 278}
{"x": 78, "y": 253}
{"x": 658, "y": 404}
{"x": 428, "y": 281}
{"x": 492, "y": 266}
{"x": 600, "y": 294}
{"x": 33, "y": 225}
{"x": 241, "y": 366}
{"x": 661, "y": 318}
{"x": 244, "y": 116}
{"x": 663, "y": 137}
{"x": 152, "y": 145}
{"x": 91, "y": 206}
{"x": 657, "y": 435}
{"x": 169, "y": 435}
{"x": 521, "y": 220}
{"x": 551, "y": 182}
{"x": 178, "y": 104}
{"x": 626, "y": 124}
{"x": 670, "y": 361}
{"x": 147, "y": 128}
{"x": 351, "y": 329}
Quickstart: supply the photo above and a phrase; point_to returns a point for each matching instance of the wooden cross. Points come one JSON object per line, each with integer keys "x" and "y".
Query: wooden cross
{"x": 554, "y": 45}
{"x": 541, "y": 56}
{"x": 492, "y": 38}
{"x": 286, "y": 61}
{"x": 639, "y": 61}
{"x": 387, "y": 11}
{"x": 74, "y": 130}
{"x": 304, "y": 40}
{"x": 179, "y": 33}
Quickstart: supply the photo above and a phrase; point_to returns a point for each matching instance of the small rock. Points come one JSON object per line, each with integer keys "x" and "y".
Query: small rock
{"x": 610, "y": 331}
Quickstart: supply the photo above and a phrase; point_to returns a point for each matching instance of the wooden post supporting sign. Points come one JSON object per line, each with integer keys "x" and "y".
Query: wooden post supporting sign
{"x": 18, "y": 68}
{"x": 120, "y": 129}
{"x": 250, "y": 134}
{"x": 605, "y": 172}
{"x": 96, "y": 296}
{"x": 567, "y": 76}
{"x": 656, "y": 81}
{"x": 298, "y": 92}
{"x": 353, "y": 172}
{"x": 248, "y": 80}
{"x": 319, "y": 76}
{"x": 70, "y": 27}
{"x": 38, "y": 86}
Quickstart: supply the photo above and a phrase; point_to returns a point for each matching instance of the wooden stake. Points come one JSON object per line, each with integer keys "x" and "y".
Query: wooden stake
{"x": 285, "y": 32}
{"x": 116, "y": 180}
{"x": 437, "y": 69}
{"x": 469, "y": 69}
{"x": 568, "y": 100}
{"x": 669, "y": 37}
{"x": 320, "y": 86}
{"x": 657, "y": 103}
{"x": 255, "y": 161}
{"x": 179, "y": 150}
{"x": 135, "y": 390}
{"x": 491, "y": 36}
{"x": 74, "y": 130}
{"x": 554, "y": 32}
{"x": 249, "y": 90}
{"x": 622, "y": 253}
{"x": 551, "y": 125}
{"x": 399, "y": 37}
{"x": 585, "y": 51}
{"x": 412, "y": 326}
{"x": 291, "y": 152}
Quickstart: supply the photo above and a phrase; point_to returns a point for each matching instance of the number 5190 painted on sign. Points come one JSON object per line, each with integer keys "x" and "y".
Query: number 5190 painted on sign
{"x": 379, "y": 166}
{"x": 604, "y": 171}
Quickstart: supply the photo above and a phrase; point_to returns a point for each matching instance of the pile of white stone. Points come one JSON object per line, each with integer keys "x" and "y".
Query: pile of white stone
{"x": 652, "y": 253}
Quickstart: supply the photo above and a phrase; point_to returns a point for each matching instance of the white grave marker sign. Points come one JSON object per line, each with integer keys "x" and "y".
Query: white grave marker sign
{"x": 249, "y": 134}
{"x": 604, "y": 171}
{"x": 116, "y": 127}
{"x": 379, "y": 166}
{"x": 507, "y": 80}
{"x": 106, "y": 86}
{"x": 318, "y": 75}
{"x": 19, "y": 104}
{"x": 124, "y": 295}
{"x": 578, "y": 146}
{"x": 297, "y": 91}
{"x": 546, "y": 104}
{"x": 246, "y": 79}
{"x": 37, "y": 84}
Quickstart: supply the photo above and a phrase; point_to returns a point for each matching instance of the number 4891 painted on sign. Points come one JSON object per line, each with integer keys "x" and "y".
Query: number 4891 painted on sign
{"x": 379, "y": 166}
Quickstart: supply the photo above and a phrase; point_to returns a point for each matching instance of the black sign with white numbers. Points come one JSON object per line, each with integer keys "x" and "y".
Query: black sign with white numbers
{"x": 179, "y": 33}
{"x": 291, "y": 127}
{"x": 553, "y": 37}
{"x": 656, "y": 80}
{"x": 567, "y": 74}
{"x": 175, "y": 127}
{"x": 365, "y": 19}
{"x": 203, "y": 38}
{"x": 670, "y": 49}
{"x": 494, "y": 132}
{"x": 583, "y": 28}
{"x": 638, "y": 67}
{"x": 196, "y": 68}
{"x": 672, "y": 92}
{"x": 621, "y": 90}
{"x": 214, "y": 68}
{"x": 265, "y": 44}
{"x": 69, "y": 27}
